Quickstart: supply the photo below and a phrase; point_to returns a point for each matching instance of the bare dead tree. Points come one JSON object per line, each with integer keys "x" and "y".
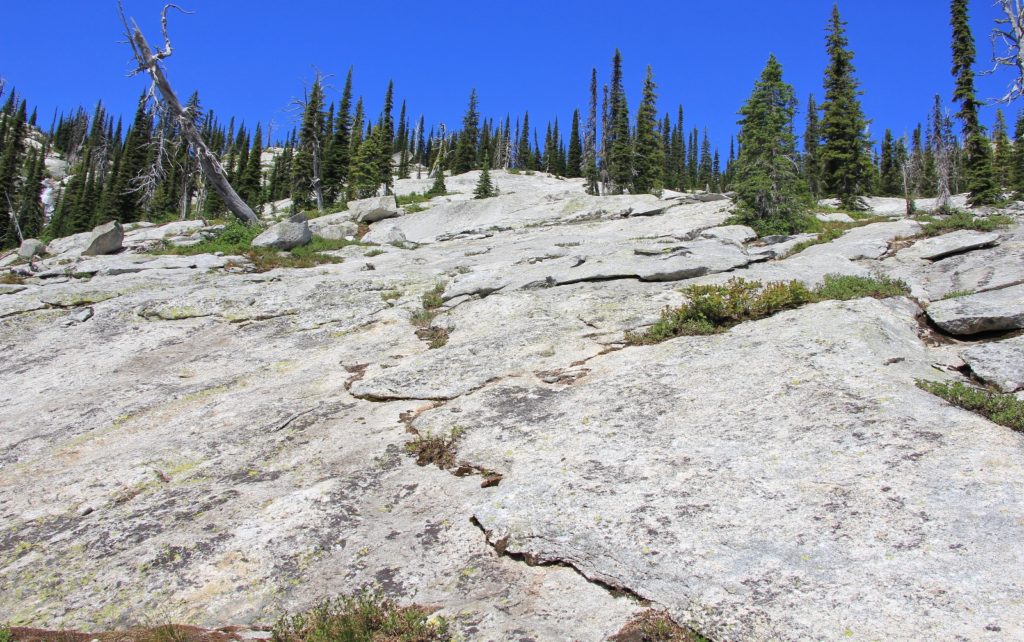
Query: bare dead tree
{"x": 3, "y": 85}
{"x": 909, "y": 170}
{"x": 441, "y": 144}
{"x": 149, "y": 62}
{"x": 1007, "y": 41}
{"x": 14, "y": 219}
{"x": 942, "y": 146}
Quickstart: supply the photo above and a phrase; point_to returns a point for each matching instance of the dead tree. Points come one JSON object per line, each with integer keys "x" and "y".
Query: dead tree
{"x": 1007, "y": 41}
{"x": 149, "y": 63}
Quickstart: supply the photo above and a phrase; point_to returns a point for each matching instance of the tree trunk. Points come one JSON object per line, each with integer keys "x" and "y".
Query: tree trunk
{"x": 208, "y": 161}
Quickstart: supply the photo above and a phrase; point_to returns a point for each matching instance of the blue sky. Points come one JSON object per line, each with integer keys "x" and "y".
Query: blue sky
{"x": 251, "y": 58}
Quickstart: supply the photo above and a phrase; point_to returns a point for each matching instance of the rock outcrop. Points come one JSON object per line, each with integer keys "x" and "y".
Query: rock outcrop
{"x": 285, "y": 235}
{"x": 105, "y": 239}
{"x": 188, "y": 436}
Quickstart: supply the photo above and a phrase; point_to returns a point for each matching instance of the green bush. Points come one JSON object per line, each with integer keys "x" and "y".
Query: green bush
{"x": 364, "y": 617}
{"x": 5, "y": 633}
{"x": 1003, "y": 409}
{"x": 715, "y": 308}
{"x": 961, "y": 220}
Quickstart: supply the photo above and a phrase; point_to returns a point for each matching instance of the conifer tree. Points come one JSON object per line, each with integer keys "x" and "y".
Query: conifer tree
{"x": 705, "y": 173}
{"x": 942, "y": 146}
{"x": 590, "y": 140}
{"x": 523, "y": 158}
{"x": 438, "y": 188}
{"x": 812, "y": 142}
{"x": 771, "y": 194}
{"x": 340, "y": 149}
{"x": 365, "y": 168}
{"x": 30, "y": 210}
{"x": 1003, "y": 153}
{"x": 484, "y": 187}
{"x": 889, "y": 169}
{"x": 11, "y": 158}
{"x": 1018, "y": 155}
{"x": 466, "y": 148}
{"x": 307, "y": 166}
{"x": 620, "y": 148}
{"x": 574, "y": 161}
{"x": 845, "y": 155}
{"x": 978, "y": 176}
{"x": 251, "y": 184}
{"x": 648, "y": 159}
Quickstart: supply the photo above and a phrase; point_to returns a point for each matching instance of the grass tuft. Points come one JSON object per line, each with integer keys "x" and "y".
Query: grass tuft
{"x": 367, "y": 616}
{"x": 712, "y": 309}
{"x": 655, "y": 626}
{"x": 10, "y": 278}
{"x": 1003, "y": 409}
{"x": 961, "y": 220}
{"x": 439, "y": 450}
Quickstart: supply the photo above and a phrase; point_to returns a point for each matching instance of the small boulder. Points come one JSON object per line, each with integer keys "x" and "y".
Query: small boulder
{"x": 285, "y": 235}
{"x": 371, "y": 210}
{"x": 31, "y": 247}
{"x": 834, "y": 217}
{"x": 105, "y": 239}
{"x": 334, "y": 226}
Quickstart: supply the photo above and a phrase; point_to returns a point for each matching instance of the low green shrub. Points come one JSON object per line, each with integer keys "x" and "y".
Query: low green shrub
{"x": 1003, "y": 409}
{"x": 439, "y": 450}
{"x": 961, "y": 220}
{"x": 411, "y": 199}
{"x": 367, "y": 616}
{"x": 716, "y": 308}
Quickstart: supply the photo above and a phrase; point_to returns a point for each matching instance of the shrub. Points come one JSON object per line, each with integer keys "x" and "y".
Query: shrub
{"x": 655, "y": 626}
{"x": 440, "y": 450}
{"x": 961, "y": 220}
{"x": 715, "y": 308}
{"x": 411, "y": 199}
{"x": 5, "y": 633}
{"x": 1003, "y": 409}
{"x": 366, "y": 616}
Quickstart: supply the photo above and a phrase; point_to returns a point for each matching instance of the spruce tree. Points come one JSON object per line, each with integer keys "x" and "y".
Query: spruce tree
{"x": 812, "y": 142}
{"x": 845, "y": 155}
{"x": 365, "y": 168}
{"x": 484, "y": 187}
{"x": 978, "y": 176}
{"x": 438, "y": 188}
{"x": 466, "y": 148}
{"x": 1003, "y": 153}
{"x": 523, "y": 159}
{"x": 620, "y": 148}
{"x": 307, "y": 170}
{"x": 574, "y": 162}
{"x": 11, "y": 158}
{"x": 1018, "y": 155}
{"x": 30, "y": 210}
{"x": 251, "y": 184}
{"x": 648, "y": 159}
{"x": 771, "y": 194}
{"x": 590, "y": 140}
{"x": 340, "y": 149}
{"x": 891, "y": 180}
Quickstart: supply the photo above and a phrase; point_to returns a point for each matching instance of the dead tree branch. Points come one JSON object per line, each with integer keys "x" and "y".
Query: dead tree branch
{"x": 149, "y": 63}
{"x": 1007, "y": 41}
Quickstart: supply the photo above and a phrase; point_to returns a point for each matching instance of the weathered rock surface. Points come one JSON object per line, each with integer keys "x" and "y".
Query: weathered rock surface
{"x": 371, "y": 210}
{"x": 220, "y": 446}
{"x": 939, "y": 247}
{"x": 285, "y": 235}
{"x": 986, "y": 312}
{"x": 334, "y": 226}
{"x": 105, "y": 239}
{"x": 1000, "y": 363}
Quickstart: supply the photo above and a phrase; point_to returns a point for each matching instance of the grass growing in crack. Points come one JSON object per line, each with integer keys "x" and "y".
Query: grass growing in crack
{"x": 829, "y": 231}
{"x": 1003, "y": 409}
{"x": 712, "y": 309}
{"x": 391, "y": 295}
{"x": 961, "y": 220}
{"x": 10, "y": 278}
{"x": 411, "y": 199}
{"x": 366, "y": 616}
{"x": 434, "y": 336}
{"x": 655, "y": 626}
{"x": 956, "y": 294}
{"x": 440, "y": 450}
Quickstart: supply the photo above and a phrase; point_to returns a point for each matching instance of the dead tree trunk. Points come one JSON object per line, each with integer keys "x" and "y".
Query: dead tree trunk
{"x": 149, "y": 63}
{"x": 1010, "y": 35}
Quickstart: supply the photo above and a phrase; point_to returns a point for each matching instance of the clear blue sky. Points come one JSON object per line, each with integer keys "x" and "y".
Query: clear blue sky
{"x": 251, "y": 58}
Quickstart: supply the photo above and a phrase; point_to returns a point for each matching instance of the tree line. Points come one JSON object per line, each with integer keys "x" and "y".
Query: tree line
{"x": 145, "y": 170}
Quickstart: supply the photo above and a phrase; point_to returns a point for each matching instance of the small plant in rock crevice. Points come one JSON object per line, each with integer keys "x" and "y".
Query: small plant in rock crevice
{"x": 439, "y": 450}
{"x": 366, "y": 616}
{"x": 655, "y": 626}
{"x": 1003, "y": 409}
{"x": 961, "y": 220}
{"x": 712, "y": 309}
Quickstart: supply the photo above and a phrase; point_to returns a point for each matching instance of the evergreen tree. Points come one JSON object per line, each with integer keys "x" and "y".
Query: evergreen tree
{"x": 812, "y": 142}
{"x": 523, "y": 158}
{"x": 648, "y": 159}
{"x": 574, "y": 162}
{"x": 705, "y": 174}
{"x": 365, "y": 168}
{"x": 307, "y": 166}
{"x": 620, "y": 148}
{"x": 466, "y": 148}
{"x": 251, "y": 184}
{"x": 11, "y": 158}
{"x": 386, "y": 125}
{"x": 484, "y": 187}
{"x": 30, "y": 208}
{"x": 590, "y": 140}
{"x": 340, "y": 149}
{"x": 845, "y": 155}
{"x": 771, "y": 194}
{"x": 889, "y": 169}
{"x": 1018, "y": 155}
{"x": 438, "y": 188}
{"x": 978, "y": 177}
{"x": 1003, "y": 157}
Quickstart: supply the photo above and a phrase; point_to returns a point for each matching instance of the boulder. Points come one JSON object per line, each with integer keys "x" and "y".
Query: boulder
{"x": 371, "y": 210}
{"x": 31, "y": 247}
{"x": 834, "y": 217}
{"x": 985, "y": 312}
{"x": 386, "y": 236}
{"x": 334, "y": 226}
{"x": 738, "y": 234}
{"x": 285, "y": 235}
{"x": 1000, "y": 363}
{"x": 105, "y": 239}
